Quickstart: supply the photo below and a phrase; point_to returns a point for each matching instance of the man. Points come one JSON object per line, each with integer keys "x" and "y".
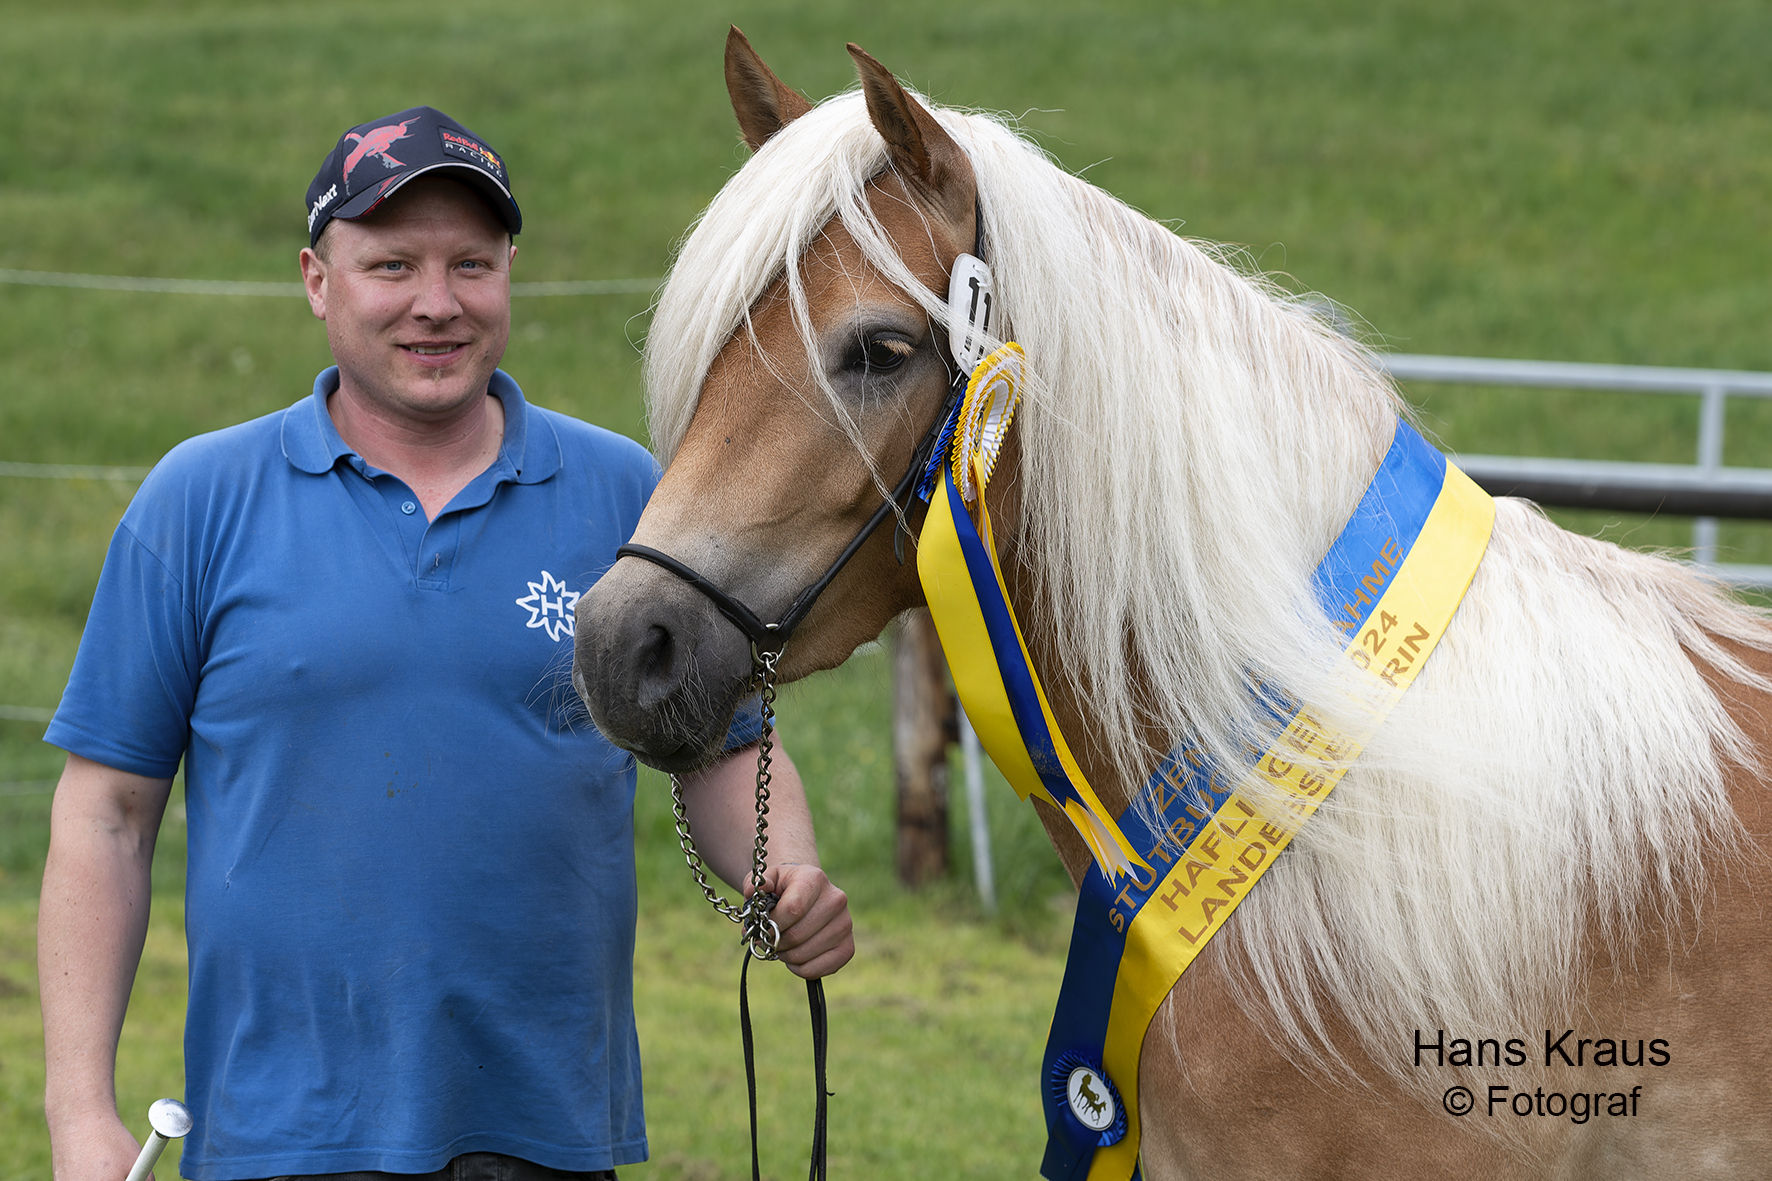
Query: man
{"x": 410, "y": 899}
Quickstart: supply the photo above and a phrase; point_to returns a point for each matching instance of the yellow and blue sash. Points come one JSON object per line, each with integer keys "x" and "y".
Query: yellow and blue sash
{"x": 963, "y": 584}
{"x": 1390, "y": 583}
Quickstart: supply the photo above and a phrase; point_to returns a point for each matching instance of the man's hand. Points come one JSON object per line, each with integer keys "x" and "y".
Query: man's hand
{"x": 98, "y": 1148}
{"x": 817, "y": 934}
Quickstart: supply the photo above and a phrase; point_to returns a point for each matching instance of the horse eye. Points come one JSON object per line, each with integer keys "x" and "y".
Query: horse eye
{"x": 882, "y": 354}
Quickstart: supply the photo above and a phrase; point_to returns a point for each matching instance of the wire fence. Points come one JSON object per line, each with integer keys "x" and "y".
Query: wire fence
{"x": 1704, "y": 490}
{"x": 24, "y": 713}
{"x": 288, "y": 290}
{"x": 72, "y": 471}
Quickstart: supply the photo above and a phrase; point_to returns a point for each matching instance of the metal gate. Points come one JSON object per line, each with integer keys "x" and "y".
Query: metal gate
{"x": 1705, "y": 489}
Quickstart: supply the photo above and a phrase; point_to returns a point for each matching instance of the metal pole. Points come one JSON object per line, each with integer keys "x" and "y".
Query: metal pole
{"x": 1710, "y": 458}
{"x": 169, "y": 1120}
{"x": 982, "y": 873}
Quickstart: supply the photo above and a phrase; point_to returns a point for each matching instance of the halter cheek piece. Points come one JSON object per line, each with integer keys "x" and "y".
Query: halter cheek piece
{"x": 970, "y": 301}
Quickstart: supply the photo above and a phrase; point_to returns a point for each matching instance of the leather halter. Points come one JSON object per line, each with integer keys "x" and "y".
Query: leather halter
{"x": 768, "y": 638}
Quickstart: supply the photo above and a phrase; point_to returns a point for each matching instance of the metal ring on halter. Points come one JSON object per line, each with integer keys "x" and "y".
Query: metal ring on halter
{"x": 762, "y": 945}
{"x": 772, "y": 637}
{"x": 764, "y": 658}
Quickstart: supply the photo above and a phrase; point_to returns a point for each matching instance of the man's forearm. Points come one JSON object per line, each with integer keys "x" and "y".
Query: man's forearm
{"x": 91, "y": 926}
{"x": 721, "y": 802}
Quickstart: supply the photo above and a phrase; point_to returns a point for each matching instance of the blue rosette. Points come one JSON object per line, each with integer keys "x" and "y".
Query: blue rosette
{"x": 1086, "y": 1100}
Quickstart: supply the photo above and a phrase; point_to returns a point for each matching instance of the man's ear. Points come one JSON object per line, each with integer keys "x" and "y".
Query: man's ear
{"x": 313, "y": 280}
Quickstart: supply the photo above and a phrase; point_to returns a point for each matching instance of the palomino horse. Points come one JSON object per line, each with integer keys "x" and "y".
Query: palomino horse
{"x": 1545, "y": 874}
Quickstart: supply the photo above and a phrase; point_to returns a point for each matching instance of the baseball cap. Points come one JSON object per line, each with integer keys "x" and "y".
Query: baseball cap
{"x": 373, "y": 160}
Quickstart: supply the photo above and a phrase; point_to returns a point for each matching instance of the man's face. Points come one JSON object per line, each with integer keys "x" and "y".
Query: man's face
{"x": 417, "y": 302}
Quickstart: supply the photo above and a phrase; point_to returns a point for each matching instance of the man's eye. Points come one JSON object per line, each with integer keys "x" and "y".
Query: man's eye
{"x": 391, "y": 265}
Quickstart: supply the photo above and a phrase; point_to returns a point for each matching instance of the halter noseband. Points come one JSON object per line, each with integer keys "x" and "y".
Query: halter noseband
{"x": 772, "y": 637}
{"x": 966, "y": 323}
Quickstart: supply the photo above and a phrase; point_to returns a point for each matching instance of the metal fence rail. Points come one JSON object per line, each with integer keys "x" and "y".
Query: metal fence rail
{"x": 1705, "y": 489}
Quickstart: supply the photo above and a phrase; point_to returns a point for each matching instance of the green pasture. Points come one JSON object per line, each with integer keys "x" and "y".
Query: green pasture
{"x": 1582, "y": 181}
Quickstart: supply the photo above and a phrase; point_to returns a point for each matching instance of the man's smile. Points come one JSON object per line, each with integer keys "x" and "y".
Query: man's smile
{"x": 435, "y": 352}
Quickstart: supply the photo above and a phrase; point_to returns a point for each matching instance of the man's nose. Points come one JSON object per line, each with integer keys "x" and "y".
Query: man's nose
{"x": 436, "y": 298}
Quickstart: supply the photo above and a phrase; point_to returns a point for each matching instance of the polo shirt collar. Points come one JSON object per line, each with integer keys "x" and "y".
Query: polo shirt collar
{"x": 530, "y": 452}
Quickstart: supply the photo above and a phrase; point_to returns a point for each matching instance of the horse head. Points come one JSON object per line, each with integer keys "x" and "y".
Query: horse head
{"x": 832, "y": 377}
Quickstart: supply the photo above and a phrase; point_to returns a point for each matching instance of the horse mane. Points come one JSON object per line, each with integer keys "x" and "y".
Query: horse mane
{"x": 1192, "y": 440}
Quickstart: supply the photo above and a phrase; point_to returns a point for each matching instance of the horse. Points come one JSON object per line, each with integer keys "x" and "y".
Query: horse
{"x": 1544, "y": 880}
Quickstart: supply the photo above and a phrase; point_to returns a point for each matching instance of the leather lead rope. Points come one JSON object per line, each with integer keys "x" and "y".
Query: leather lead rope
{"x": 815, "y": 1004}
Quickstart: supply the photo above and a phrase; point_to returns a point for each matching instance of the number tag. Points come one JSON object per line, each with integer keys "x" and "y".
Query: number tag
{"x": 970, "y": 301}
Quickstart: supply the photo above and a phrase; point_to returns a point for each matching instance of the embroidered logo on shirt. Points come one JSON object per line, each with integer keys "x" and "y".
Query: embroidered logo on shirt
{"x": 550, "y": 606}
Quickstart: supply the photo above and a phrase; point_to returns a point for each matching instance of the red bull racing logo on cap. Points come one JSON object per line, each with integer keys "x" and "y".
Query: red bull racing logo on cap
{"x": 376, "y": 142}
{"x": 474, "y": 150}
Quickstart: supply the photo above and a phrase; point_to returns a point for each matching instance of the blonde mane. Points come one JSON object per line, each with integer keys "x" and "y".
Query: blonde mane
{"x": 1192, "y": 441}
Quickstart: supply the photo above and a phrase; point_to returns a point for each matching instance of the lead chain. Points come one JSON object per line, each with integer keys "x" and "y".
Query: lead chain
{"x": 760, "y": 931}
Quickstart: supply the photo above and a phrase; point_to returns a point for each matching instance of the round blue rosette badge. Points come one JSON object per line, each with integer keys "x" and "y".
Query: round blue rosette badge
{"x": 1087, "y": 1100}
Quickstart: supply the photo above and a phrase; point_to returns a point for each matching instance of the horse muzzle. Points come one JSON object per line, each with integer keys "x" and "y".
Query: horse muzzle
{"x": 659, "y": 669}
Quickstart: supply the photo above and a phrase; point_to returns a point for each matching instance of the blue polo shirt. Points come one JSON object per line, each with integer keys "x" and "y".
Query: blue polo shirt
{"x": 411, "y": 898}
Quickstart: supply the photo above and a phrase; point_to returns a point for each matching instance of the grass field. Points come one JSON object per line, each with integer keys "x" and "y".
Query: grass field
{"x": 1583, "y": 181}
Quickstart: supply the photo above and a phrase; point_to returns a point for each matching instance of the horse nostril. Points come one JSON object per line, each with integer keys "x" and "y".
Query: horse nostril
{"x": 655, "y": 665}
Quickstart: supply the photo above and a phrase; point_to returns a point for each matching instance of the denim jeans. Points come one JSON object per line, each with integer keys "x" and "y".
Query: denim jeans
{"x": 474, "y": 1166}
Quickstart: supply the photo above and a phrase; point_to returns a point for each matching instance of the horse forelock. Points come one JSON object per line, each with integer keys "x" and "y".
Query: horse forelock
{"x": 1191, "y": 441}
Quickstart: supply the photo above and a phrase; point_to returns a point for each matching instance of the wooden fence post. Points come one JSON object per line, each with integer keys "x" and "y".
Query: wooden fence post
{"x": 924, "y": 722}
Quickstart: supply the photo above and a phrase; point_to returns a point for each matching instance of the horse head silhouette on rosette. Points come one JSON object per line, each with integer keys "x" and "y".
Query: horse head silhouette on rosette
{"x": 1207, "y": 573}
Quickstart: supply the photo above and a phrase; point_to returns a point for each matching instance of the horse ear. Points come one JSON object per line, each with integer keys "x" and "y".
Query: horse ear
{"x": 924, "y": 154}
{"x": 763, "y": 103}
